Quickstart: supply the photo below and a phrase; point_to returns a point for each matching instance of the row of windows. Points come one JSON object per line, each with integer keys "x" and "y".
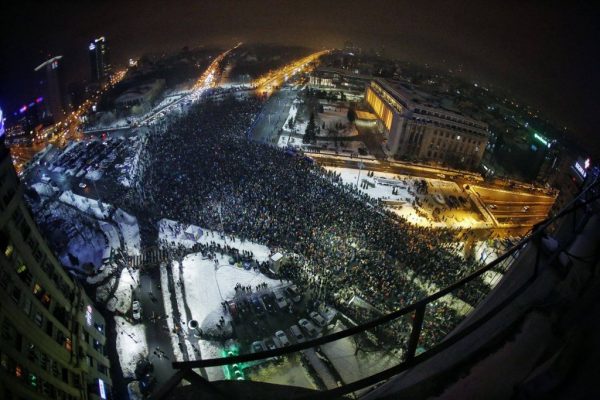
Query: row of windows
{"x": 21, "y": 344}
{"x": 36, "y": 314}
{"x": 44, "y": 264}
{"x": 449, "y": 135}
{"x": 448, "y": 117}
{"x": 448, "y": 126}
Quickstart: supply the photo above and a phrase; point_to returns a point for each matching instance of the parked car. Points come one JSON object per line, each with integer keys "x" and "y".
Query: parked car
{"x": 257, "y": 307}
{"x": 258, "y": 346}
{"x": 137, "y": 310}
{"x": 282, "y": 338}
{"x": 293, "y": 293}
{"x": 280, "y": 300}
{"x": 319, "y": 320}
{"x": 270, "y": 344}
{"x": 82, "y": 185}
{"x": 268, "y": 302}
{"x": 308, "y": 327}
{"x": 297, "y": 334}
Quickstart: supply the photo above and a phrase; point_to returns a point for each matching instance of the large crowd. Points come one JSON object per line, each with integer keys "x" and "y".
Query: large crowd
{"x": 202, "y": 169}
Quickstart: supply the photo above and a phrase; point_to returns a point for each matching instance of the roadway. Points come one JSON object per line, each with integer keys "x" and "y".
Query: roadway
{"x": 272, "y": 116}
{"x": 520, "y": 206}
{"x": 270, "y": 82}
{"x": 514, "y": 207}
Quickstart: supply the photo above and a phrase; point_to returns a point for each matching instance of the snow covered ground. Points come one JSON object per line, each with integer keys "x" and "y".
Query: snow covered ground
{"x": 207, "y": 285}
{"x": 353, "y": 367}
{"x": 128, "y": 281}
{"x": 131, "y": 345}
{"x": 164, "y": 287}
{"x": 175, "y": 232}
{"x": 86, "y": 205}
{"x": 43, "y": 189}
{"x": 299, "y": 126}
{"x": 382, "y": 184}
{"x": 131, "y": 232}
{"x": 112, "y": 236}
{"x": 210, "y": 349}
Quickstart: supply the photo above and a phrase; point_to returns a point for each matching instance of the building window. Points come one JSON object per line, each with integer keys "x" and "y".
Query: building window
{"x": 8, "y": 251}
{"x": 24, "y": 274}
{"x": 16, "y": 294}
{"x": 49, "y": 328}
{"x": 46, "y": 300}
{"x": 27, "y": 307}
{"x": 39, "y": 319}
{"x": 18, "y": 371}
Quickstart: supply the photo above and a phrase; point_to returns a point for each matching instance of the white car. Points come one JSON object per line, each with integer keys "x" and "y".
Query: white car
{"x": 319, "y": 320}
{"x": 137, "y": 310}
{"x": 283, "y": 339}
{"x": 280, "y": 300}
{"x": 308, "y": 326}
{"x": 297, "y": 333}
{"x": 82, "y": 185}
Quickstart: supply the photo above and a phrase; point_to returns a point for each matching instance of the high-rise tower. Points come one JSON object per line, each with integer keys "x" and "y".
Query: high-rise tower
{"x": 99, "y": 62}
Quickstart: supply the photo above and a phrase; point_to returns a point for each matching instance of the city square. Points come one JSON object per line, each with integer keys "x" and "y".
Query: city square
{"x": 327, "y": 217}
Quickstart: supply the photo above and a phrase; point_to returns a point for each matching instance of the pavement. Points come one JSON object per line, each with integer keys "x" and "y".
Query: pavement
{"x": 272, "y": 116}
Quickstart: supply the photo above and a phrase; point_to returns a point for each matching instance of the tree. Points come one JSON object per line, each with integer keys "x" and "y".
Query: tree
{"x": 351, "y": 114}
{"x": 310, "y": 134}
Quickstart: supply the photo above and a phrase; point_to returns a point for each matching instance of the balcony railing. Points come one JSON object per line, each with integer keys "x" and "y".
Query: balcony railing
{"x": 418, "y": 315}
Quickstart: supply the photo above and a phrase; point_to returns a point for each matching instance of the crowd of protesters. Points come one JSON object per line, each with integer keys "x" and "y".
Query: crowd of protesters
{"x": 204, "y": 170}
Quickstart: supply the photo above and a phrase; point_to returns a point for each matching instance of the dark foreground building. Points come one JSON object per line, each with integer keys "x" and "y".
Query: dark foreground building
{"x": 52, "y": 342}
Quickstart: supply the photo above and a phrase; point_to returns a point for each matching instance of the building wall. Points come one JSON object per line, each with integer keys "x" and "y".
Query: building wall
{"x": 45, "y": 352}
{"x": 424, "y": 133}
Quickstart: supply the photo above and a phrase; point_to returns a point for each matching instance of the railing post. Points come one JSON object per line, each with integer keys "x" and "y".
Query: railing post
{"x": 415, "y": 333}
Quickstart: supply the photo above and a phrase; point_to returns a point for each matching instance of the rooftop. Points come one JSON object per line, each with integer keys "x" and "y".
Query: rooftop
{"x": 416, "y": 98}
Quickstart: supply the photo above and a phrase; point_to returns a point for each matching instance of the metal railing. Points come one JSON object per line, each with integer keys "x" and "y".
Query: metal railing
{"x": 418, "y": 310}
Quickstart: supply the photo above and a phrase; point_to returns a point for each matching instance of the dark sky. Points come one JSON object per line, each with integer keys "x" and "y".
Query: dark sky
{"x": 546, "y": 52}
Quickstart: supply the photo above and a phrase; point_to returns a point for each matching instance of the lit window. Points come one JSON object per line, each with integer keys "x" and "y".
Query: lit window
{"x": 18, "y": 371}
{"x": 8, "y": 251}
{"x": 32, "y": 380}
{"x": 68, "y": 345}
{"x": 37, "y": 288}
{"x": 46, "y": 300}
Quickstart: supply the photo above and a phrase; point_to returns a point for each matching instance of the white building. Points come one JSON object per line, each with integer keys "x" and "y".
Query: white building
{"x": 424, "y": 126}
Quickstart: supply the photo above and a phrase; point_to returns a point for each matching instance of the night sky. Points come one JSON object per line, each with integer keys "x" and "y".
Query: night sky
{"x": 544, "y": 52}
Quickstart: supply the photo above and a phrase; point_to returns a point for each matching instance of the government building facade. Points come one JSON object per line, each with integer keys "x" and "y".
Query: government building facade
{"x": 424, "y": 127}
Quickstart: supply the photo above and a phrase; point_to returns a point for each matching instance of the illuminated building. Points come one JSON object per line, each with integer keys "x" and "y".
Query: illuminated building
{"x": 52, "y": 86}
{"x": 339, "y": 79}
{"x": 99, "y": 63}
{"x": 424, "y": 126}
{"x": 52, "y": 338}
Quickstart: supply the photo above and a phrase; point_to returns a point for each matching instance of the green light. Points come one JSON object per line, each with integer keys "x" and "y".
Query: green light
{"x": 32, "y": 380}
{"x": 233, "y": 371}
{"x": 542, "y": 139}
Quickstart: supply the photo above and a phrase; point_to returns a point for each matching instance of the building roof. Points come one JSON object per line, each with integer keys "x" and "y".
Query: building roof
{"x": 415, "y": 98}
